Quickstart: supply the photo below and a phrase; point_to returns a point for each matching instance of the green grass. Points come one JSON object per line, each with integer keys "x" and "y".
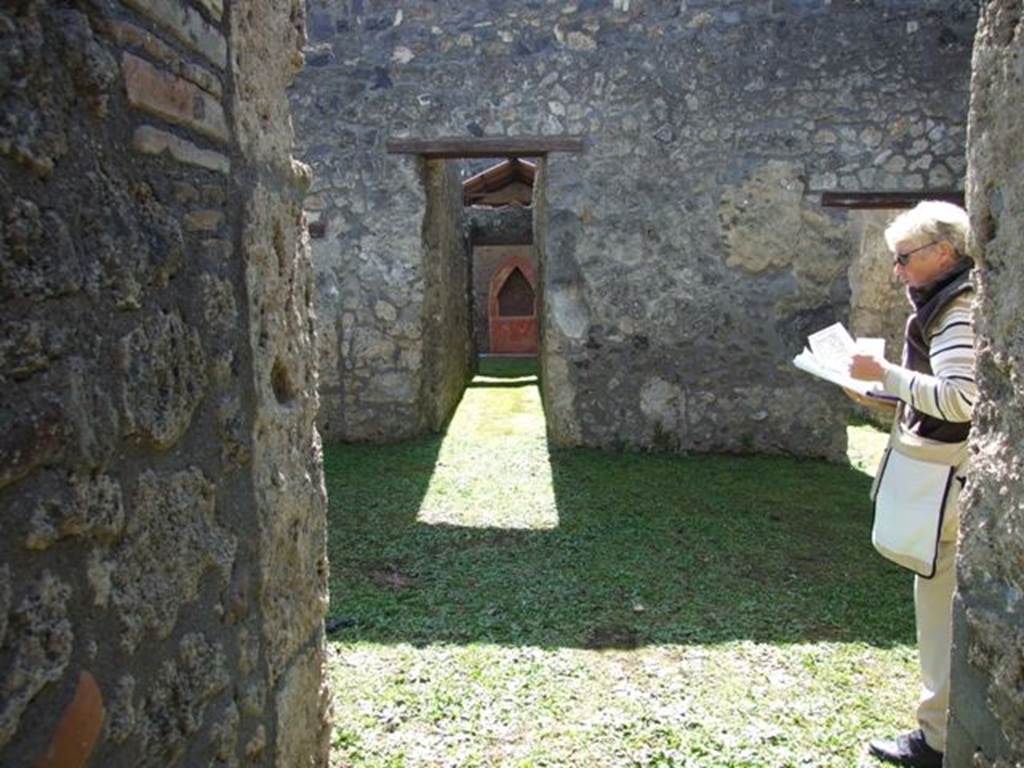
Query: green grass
{"x": 503, "y": 604}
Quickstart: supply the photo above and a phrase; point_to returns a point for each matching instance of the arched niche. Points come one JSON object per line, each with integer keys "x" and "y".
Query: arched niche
{"x": 513, "y": 317}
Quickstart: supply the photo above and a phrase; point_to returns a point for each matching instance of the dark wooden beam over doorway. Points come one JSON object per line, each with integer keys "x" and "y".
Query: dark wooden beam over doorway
{"x": 485, "y": 146}
{"x": 888, "y": 199}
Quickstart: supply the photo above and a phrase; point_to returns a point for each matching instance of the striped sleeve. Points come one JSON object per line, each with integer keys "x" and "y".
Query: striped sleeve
{"x": 949, "y": 394}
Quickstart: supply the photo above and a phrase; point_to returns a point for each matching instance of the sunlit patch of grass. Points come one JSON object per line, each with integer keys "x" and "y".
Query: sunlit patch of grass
{"x": 504, "y": 604}
{"x": 866, "y": 445}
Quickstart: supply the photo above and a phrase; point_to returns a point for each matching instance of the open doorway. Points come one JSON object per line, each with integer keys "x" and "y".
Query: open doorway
{"x": 505, "y": 292}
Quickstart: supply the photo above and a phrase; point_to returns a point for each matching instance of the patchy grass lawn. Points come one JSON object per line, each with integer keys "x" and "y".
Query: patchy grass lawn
{"x": 497, "y": 603}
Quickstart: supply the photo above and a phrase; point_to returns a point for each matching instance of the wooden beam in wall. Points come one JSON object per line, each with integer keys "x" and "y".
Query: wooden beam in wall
{"x": 888, "y": 199}
{"x": 485, "y": 146}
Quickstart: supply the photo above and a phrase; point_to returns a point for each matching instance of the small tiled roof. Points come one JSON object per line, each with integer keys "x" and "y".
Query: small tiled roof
{"x": 497, "y": 177}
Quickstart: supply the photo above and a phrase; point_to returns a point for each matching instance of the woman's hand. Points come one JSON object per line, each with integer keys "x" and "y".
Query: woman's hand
{"x": 867, "y": 368}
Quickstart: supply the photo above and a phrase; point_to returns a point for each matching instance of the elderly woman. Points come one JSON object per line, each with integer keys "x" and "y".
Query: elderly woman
{"x": 935, "y": 387}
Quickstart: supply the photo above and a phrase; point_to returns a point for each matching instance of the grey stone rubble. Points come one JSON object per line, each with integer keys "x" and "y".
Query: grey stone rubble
{"x": 685, "y": 255}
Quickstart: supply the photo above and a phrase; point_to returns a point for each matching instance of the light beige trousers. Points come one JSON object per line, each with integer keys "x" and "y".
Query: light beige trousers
{"x": 933, "y": 608}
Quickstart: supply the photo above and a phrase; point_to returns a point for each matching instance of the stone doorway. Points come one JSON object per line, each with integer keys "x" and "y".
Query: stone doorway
{"x": 505, "y": 294}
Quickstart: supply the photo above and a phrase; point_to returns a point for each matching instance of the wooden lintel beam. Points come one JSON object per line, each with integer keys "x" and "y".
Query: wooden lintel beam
{"x": 888, "y": 199}
{"x": 485, "y": 146}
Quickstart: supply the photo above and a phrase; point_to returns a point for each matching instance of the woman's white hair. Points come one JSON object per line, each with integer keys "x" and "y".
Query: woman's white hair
{"x": 933, "y": 219}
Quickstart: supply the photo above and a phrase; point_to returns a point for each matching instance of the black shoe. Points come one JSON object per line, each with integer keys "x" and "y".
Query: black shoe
{"x": 909, "y": 749}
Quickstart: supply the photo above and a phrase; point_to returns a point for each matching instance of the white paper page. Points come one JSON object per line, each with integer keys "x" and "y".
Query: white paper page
{"x": 870, "y": 346}
{"x": 807, "y": 361}
{"x": 832, "y": 346}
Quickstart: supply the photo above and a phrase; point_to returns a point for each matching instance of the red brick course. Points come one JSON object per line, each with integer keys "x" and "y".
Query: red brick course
{"x": 172, "y": 98}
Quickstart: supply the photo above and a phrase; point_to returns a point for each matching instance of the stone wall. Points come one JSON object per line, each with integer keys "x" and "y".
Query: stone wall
{"x": 504, "y": 225}
{"x": 395, "y": 281}
{"x": 688, "y": 253}
{"x": 987, "y": 696}
{"x": 162, "y": 556}
{"x": 447, "y": 327}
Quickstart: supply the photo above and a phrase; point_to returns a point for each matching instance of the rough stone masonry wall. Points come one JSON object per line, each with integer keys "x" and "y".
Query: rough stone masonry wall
{"x": 394, "y": 346}
{"x": 447, "y": 338}
{"x": 987, "y": 696}
{"x": 687, "y": 253}
{"x": 162, "y": 558}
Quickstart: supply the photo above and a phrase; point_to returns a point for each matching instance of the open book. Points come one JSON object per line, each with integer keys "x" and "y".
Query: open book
{"x": 827, "y": 356}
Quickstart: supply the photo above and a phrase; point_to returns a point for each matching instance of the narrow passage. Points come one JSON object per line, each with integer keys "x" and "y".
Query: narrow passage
{"x": 493, "y": 469}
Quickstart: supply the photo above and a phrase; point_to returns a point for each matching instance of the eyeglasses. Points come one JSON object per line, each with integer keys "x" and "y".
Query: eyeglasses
{"x": 903, "y": 258}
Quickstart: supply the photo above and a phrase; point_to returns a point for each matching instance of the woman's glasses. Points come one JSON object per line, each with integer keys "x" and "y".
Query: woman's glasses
{"x": 903, "y": 258}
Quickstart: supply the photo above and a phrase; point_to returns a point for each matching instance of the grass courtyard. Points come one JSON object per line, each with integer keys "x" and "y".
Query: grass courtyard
{"x": 498, "y": 603}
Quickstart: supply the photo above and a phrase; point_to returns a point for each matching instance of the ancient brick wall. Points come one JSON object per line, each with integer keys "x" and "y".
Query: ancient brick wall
{"x": 987, "y": 696}
{"x": 687, "y": 251}
{"x": 163, "y": 570}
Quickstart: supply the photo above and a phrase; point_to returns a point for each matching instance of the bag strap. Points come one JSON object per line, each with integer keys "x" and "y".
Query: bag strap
{"x": 922, "y": 449}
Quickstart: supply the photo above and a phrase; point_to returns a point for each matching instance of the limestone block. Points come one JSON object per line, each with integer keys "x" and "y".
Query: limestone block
{"x": 768, "y": 225}
{"x": 30, "y": 346}
{"x": 219, "y": 308}
{"x": 89, "y": 506}
{"x": 273, "y": 36}
{"x": 254, "y": 698}
{"x": 302, "y": 710}
{"x": 372, "y": 347}
{"x": 207, "y": 220}
{"x": 31, "y": 439}
{"x": 224, "y": 735}
{"x": 664, "y": 406}
{"x": 172, "y": 710}
{"x": 394, "y": 387}
{"x": 762, "y": 221}
{"x": 91, "y": 413}
{"x": 385, "y": 312}
{"x": 559, "y": 401}
{"x": 162, "y": 367}
{"x": 121, "y": 714}
{"x": 39, "y": 636}
{"x": 38, "y": 259}
{"x": 172, "y": 540}
{"x": 257, "y": 743}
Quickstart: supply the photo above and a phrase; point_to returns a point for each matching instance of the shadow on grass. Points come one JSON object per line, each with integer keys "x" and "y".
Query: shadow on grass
{"x": 649, "y": 549}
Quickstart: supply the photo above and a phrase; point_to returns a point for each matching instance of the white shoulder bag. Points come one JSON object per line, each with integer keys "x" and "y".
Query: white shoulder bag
{"x": 910, "y": 493}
